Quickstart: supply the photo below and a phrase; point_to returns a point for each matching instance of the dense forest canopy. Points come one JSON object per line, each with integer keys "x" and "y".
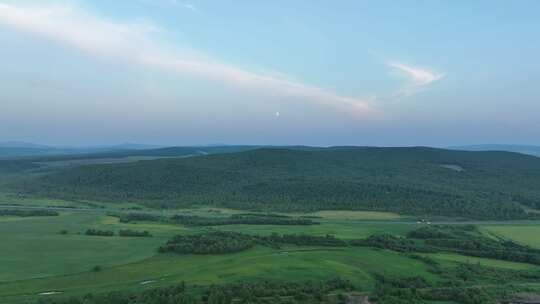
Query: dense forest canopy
{"x": 420, "y": 181}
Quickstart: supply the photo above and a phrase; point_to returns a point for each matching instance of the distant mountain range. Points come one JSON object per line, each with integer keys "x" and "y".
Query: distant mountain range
{"x": 11, "y": 149}
{"x": 22, "y": 144}
{"x": 524, "y": 149}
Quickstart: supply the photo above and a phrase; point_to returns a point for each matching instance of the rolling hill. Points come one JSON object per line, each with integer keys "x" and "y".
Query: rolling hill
{"x": 159, "y": 152}
{"x": 419, "y": 181}
{"x": 17, "y": 149}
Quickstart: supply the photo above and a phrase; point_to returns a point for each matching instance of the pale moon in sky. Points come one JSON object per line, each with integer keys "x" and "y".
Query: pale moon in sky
{"x": 277, "y": 114}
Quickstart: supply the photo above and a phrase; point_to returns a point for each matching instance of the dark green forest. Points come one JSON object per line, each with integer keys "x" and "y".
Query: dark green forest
{"x": 417, "y": 181}
{"x": 260, "y": 292}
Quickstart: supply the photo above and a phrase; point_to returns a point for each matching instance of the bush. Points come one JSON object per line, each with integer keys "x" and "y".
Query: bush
{"x": 97, "y": 232}
{"x": 135, "y": 233}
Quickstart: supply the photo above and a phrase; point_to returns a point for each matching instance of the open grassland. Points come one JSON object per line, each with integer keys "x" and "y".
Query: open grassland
{"x": 342, "y": 230}
{"x": 291, "y": 263}
{"x": 39, "y": 240}
{"x": 37, "y": 258}
{"x": 524, "y": 234}
{"x": 34, "y": 247}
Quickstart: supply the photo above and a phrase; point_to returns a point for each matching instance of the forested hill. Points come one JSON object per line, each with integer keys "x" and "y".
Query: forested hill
{"x": 420, "y": 181}
{"x": 159, "y": 152}
{"x": 531, "y": 150}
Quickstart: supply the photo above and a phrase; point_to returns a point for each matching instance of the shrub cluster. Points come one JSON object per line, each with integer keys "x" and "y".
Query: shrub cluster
{"x": 27, "y": 213}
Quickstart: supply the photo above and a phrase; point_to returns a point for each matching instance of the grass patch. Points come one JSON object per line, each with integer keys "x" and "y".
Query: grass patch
{"x": 34, "y": 247}
{"x": 523, "y": 234}
{"x": 356, "y": 264}
{"x": 340, "y": 230}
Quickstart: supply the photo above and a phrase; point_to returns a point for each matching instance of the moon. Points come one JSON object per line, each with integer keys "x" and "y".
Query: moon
{"x": 277, "y": 114}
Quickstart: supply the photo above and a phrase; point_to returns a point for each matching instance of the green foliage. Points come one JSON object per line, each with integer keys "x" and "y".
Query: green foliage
{"x": 134, "y": 233}
{"x": 404, "y": 180}
{"x": 388, "y": 241}
{"x": 97, "y": 232}
{"x": 195, "y": 220}
{"x": 301, "y": 240}
{"x": 468, "y": 240}
{"x": 261, "y": 292}
{"x": 215, "y": 242}
{"x": 458, "y": 288}
{"x": 246, "y": 219}
{"x": 131, "y": 217}
{"x": 27, "y": 213}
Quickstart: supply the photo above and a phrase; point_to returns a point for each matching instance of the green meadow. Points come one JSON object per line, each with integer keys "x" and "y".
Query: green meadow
{"x": 65, "y": 262}
{"x": 527, "y": 234}
{"x": 37, "y": 258}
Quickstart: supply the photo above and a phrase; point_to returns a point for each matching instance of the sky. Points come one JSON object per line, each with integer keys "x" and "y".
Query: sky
{"x": 310, "y": 72}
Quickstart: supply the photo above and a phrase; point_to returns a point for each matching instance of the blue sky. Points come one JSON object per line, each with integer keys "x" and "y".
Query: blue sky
{"x": 270, "y": 72}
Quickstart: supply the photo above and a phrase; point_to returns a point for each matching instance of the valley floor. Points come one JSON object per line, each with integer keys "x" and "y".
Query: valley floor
{"x": 39, "y": 261}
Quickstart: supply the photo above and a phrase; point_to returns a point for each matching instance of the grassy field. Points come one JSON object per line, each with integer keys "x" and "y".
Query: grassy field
{"x": 340, "y": 229}
{"x": 524, "y": 234}
{"x": 36, "y": 258}
{"x": 39, "y": 240}
{"x": 290, "y": 263}
{"x": 65, "y": 262}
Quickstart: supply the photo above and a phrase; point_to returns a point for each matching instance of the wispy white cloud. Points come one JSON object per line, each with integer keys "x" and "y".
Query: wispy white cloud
{"x": 186, "y": 5}
{"x": 190, "y": 6}
{"x": 133, "y": 43}
{"x": 419, "y": 78}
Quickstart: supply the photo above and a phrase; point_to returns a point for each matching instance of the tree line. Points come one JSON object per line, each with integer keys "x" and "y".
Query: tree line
{"x": 121, "y": 232}
{"x": 196, "y": 220}
{"x": 28, "y": 213}
{"x": 466, "y": 240}
{"x": 192, "y": 220}
{"x": 263, "y": 292}
{"x": 219, "y": 242}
